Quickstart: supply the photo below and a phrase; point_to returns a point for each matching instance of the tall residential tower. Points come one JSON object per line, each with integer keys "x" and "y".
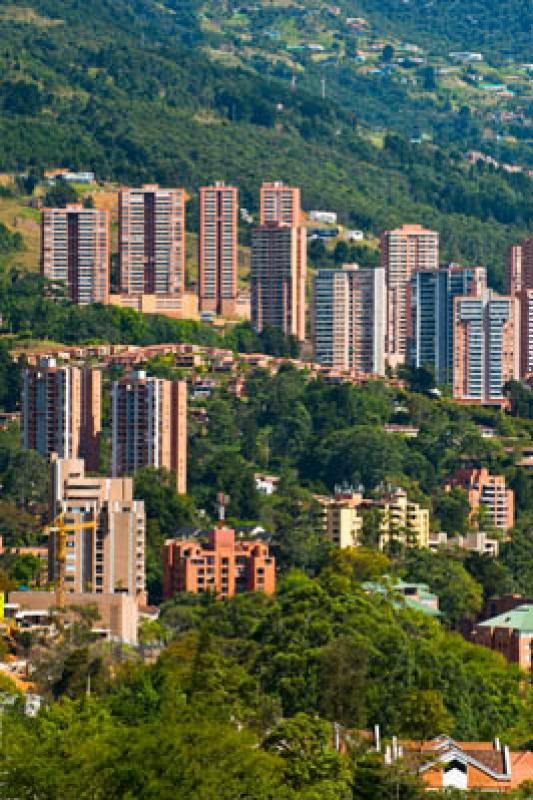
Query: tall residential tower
{"x": 349, "y": 313}
{"x": 61, "y": 411}
{"x": 403, "y": 252}
{"x": 75, "y": 250}
{"x": 152, "y": 240}
{"x": 149, "y": 426}
{"x": 218, "y": 249}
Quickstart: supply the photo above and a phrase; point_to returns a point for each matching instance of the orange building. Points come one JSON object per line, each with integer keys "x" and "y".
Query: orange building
{"x": 489, "y": 491}
{"x": 149, "y": 426}
{"x": 151, "y": 243}
{"x": 218, "y": 249}
{"x": 513, "y": 269}
{"x": 75, "y": 250}
{"x": 278, "y": 275}
{"x": 280, "y": 203}
{"x": 225, "y": 567}
{"x": 443, "y": 763}
{"x": 404, "y": 251}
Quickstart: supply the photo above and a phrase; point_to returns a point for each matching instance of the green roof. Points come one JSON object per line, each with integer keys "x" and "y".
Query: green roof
{"x": 519, "y": 619}
{"x": 408, "y": 602}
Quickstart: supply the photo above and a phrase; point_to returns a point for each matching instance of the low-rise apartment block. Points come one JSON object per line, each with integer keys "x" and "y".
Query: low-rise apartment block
{"x": 403, "y": 521}
{"x": 224, "y": 567}
{"x": 342, "y": 520}
{"x": 510, "y": 634}
{"x": 486, "y": 491}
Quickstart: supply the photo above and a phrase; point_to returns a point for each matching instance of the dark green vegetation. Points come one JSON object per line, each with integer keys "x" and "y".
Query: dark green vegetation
{"x": 32, "y": 308}
{"x": 242, "y": 700}
{"x": 127, "y": 94}
{"x": 495, "y": 28}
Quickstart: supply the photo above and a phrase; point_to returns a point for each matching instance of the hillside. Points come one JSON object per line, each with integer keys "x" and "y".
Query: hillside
{"x": 119, "y": 88}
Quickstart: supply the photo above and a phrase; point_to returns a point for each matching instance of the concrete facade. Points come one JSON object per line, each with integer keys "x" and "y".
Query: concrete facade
{"x": 110, "y": 557}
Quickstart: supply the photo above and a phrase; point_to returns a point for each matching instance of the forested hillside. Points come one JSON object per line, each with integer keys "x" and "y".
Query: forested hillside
{"x": 123, "y": 88}
{"x": 497, "y": 28}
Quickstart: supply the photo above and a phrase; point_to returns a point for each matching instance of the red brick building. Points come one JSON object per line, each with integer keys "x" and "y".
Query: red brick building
{"x": 510, "y": 634}
{"x": 224, "y": 566}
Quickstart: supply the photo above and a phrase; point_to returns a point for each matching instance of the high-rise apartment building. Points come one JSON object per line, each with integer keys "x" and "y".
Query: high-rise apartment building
{"x": 513, "y": 269}
{"x": 430, "y": 315}
{"x": 149, "y": 426}
{"x": 349, "y": 317}
{"x": 109, "y": 558}
{"x": 525, "y": 298}
{"x": 280, "y": 203}
{"x": 486, "y": 491}
{"x": 404, "y": 251}
{"x": 152, "y": 240}
{"x": 61, "y": 411}
{"x": 279, "y": 268}
{"x": 224, "y": 566}
{"x": 485, "y": 347}
{"x": 75, "y": 250}
{"x": 218, "y": 249}
{"x": 519, "y": 267}
{"x": 519, "y": 280}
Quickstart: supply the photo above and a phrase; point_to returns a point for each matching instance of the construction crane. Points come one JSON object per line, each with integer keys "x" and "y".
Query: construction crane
{"x": 60, "y": 529}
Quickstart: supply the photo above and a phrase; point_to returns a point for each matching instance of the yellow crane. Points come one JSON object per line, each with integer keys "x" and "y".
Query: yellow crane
{"x": 60, "y": 529}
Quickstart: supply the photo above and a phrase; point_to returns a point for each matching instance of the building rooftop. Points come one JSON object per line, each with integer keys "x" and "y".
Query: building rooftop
{"x": 519, "y": 619}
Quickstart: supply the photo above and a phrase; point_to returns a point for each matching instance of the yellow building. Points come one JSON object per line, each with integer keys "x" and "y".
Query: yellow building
{"x": 403, "y": 521}
{"x": 342, "y": 519}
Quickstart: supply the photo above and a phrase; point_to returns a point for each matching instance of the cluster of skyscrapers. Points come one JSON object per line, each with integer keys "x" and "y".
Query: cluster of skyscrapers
{"x": 408, "y": 310}
{"x": 61, "y": 417}
{"x": 151, "y": 254}
{"x": 411, "y": 310}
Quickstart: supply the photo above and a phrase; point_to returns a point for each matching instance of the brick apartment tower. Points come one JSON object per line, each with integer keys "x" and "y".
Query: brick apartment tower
{"x": 486, "y": 347}
{"x": 75, "y": 250}
{"x": 348, "y": 319}
{"x": 224, "y": 566}
{"x": 149, "y": 426}
{"x": 61, "y": 411}
{"x": 218, "y": 255}
{"x": 152, "y": 240}
{"x": 519, "y": 282}
{"x": 110, "y": 558}
{"x": 279, "y": 265}
{"x": 282, "y": 204}
{"x": 403, "y": 252}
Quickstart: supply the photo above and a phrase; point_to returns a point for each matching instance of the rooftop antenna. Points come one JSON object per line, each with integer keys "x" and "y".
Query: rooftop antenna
{"x": 222, "y": 499}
